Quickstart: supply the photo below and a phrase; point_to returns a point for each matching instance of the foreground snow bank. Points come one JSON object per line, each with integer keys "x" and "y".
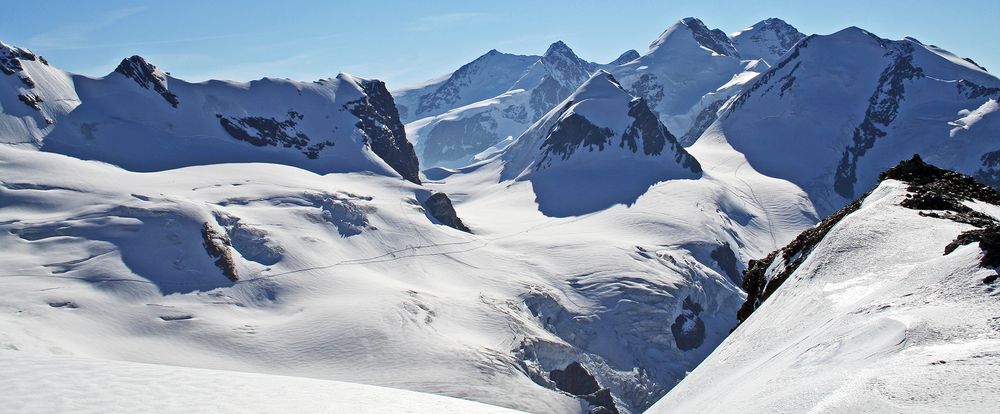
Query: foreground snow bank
{"x": 44, "y": 384}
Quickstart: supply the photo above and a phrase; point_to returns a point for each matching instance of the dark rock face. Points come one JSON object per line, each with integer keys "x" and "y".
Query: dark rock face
{"x": 626, "y": 57}
{"x": 937, "y": 190}
{"x": 218, "y": 245}
{"x": 378, "y": 120}
{"x": 727, "y": 261}
{"x": 572, "y": 133}
{"x": 714, "y": 39}
{"x": 989, "y": 174}
{"x": 576, "y": 380}
{"x": 971, "y": 90}
{"x": 882, "y": 108}
{"x": 440, "y": 207}
{"x": 702, "y": 122}
{"x": 688, "y": 328}
{"x": 146, "y": 75}
{"x": 453, "y": 139}
{"x": 262, "y": 132}
{"x": 31, "y": 100}
{"x": 645, "y": 133}
{"x": 646, "y": 130}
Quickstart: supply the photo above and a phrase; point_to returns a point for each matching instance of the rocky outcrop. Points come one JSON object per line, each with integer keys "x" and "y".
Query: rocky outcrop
{"x": 31, "y": 100}
{"x": 11, "y": 56}
{"x": 989, "y": 174}
{"x": 576, "y": 380}
{"x": 944, "y": 192}
{"x": 218, "y": 246}
{"x": 263, "y": 132}
{"x": 688, "y": 328}
{"x": 440, "y": 207}
{"x": 713, "y": 39}
{"x": 378, "y": 120}
{"x": 147, "y": 76}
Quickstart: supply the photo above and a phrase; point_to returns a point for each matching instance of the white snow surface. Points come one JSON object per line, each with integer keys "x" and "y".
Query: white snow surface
{"x": 876, "y": 319}
{"x": 38, "y": 383}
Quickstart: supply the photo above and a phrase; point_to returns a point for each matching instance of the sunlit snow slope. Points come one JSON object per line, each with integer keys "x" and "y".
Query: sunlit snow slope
{"x": 895, "y": 310}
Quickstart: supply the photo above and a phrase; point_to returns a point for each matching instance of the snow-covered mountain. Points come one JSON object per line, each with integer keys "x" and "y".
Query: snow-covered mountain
{"x": 686, "y": 62}
{"x": 460, "y": 135}
{"x": 841, "y": 108}
{"x": 140, "y": 118}
{"x": 599, "y": 147}
{"x": 686, "y": 76}
{"x": 890, "y": 305}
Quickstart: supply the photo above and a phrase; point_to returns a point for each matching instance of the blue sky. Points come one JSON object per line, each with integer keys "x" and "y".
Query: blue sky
{"x": 405, "y": 42}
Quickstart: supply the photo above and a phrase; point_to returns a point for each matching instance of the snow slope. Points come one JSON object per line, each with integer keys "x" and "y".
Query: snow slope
{"x": 33, "y": 94}
{"x": 841, "y": 108}
{"x": 43, "y": 384}
{"x": 885, "y": 314}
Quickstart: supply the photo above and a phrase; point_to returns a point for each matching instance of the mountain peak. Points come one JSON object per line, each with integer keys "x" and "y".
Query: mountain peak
{"x": 602, "y": 84}
{"x": 767, "y": 39}
{"x": 714, "y": 40}
{"x": 626, "y": 57}
{"x": 147, "y": 76}
{"x": 559, "y": 48}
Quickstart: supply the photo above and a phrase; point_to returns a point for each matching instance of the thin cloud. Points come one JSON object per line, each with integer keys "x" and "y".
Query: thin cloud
{"x": 79, "y": 33}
